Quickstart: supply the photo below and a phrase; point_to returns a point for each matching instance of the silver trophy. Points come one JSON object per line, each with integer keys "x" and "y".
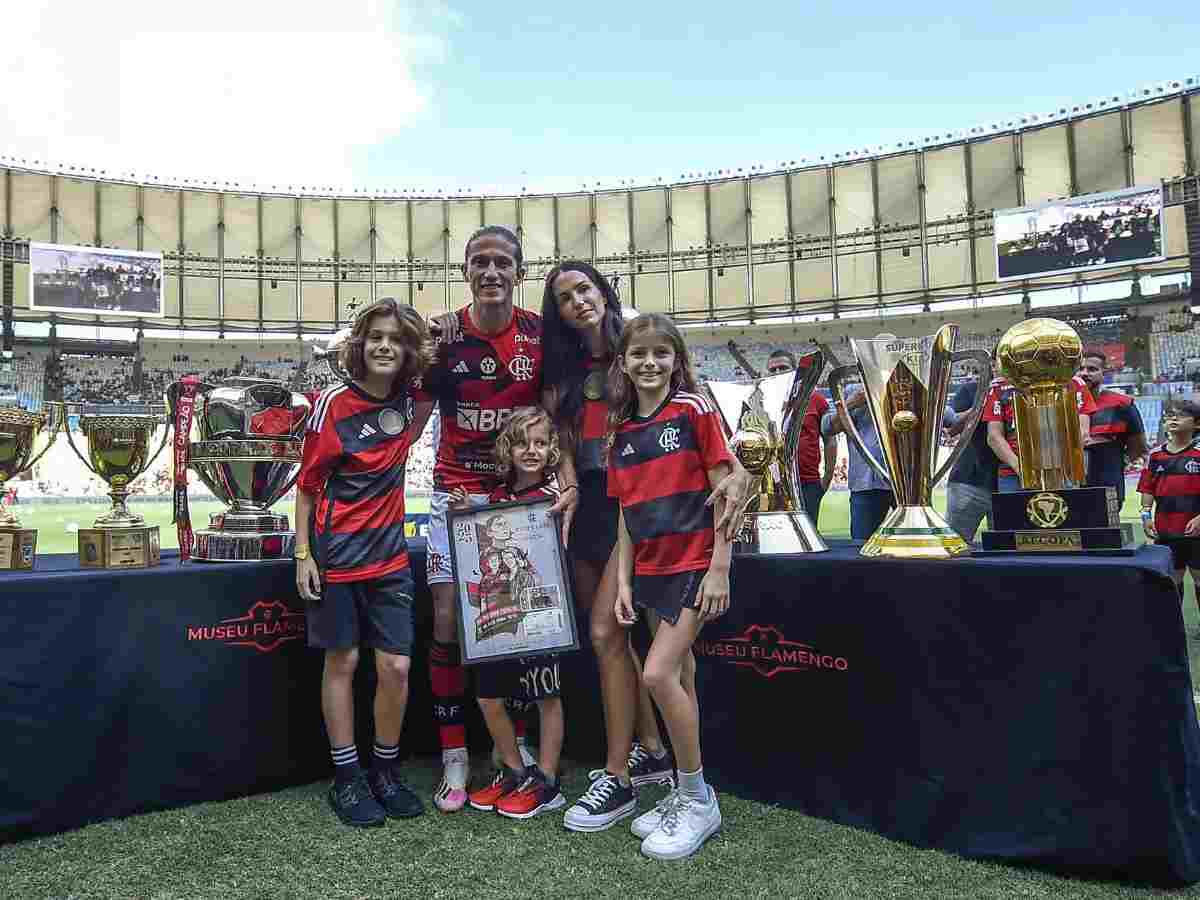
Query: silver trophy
{"x": 245, "y": 443}
{"x": 325, "y": 369}
{"x": 762, "y": 421}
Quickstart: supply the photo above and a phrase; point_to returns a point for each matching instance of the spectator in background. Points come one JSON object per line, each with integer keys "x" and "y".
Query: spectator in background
{"x": 973, "y": 478}
{"x": 871, "y": 494}
{"x": 813, "y": 482}
{"x": 1116, "y": 431}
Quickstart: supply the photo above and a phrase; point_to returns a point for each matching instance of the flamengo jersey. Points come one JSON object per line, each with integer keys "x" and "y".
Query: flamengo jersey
{"x": 477, "y": 381}
{"x": 504, "y": 493}
{"x": 1173, "y": 477}
{"x": 808, "y": 450}
{"x": 354, "y": 456}
{"x": 658, "y": 470}
{"x": 1000, "y": 407}
{"x": 593, "y": 425}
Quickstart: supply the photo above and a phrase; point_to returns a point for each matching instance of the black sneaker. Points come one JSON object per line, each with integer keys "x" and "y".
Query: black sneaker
{"x": 605, "y": 803}
{"x": 354, "y": 804}
{"x": 396, "y": 797}
{"x": 645, "y": 769}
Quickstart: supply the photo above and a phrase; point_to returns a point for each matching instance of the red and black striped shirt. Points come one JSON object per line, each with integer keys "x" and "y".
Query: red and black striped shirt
{"x": 505, "y": 494}
{"x": 1173, "y": 477}
{"x": 1000, "y": 406}
{"x": 658, "y": 469}
{"x": 593, "y": 424}
{"x": 1116, "y": 419}
{"x": 354, "y": 457}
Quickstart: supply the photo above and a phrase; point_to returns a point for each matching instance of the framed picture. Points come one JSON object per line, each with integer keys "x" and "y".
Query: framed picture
{"x": 510, "y": 577}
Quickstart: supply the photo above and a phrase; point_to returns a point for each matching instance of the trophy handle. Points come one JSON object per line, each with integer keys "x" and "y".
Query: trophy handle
{"x": 985, "y": 367}
{"x": 66, "y": 427}
{"x": 162, "y": 443}
{"x": 804, "y": 382}
{"x": 835, "y": 387}
{"x": 54, "y": 422}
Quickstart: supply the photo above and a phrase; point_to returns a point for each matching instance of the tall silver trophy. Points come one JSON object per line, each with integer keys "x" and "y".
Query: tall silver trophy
{"x": 762, "y": 421}
{"x": 245, "y": 442}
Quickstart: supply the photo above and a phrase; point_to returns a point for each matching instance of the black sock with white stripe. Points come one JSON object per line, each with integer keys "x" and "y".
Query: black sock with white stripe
{"x": 383, "y": 756}
{"x": 345, "y": 763}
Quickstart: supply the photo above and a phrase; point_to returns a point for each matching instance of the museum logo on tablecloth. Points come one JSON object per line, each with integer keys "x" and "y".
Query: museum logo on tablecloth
{"x": 766, "y": 650}
{"x": 266, "y": 626}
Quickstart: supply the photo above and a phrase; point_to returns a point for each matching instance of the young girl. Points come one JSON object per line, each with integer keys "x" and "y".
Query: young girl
{"x": 1171, "y": 480}
{"x": 667, "y": 450}
{"x": 526, "y": 455}
{"x": 360, "y": 589}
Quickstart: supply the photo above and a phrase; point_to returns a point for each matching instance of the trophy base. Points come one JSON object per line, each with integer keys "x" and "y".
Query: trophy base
{"x": 247, "y": 522}
{"x": 1107, "y": 541}
{"x": 136, "y": 547}
{"x": 223, "y": 546}
{"x": 915, "y": 532}
{"x": 778, "y": 532}
{"x": 18, "y": 548}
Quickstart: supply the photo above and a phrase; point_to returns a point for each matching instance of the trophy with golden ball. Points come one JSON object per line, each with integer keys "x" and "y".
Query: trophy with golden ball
{"x": 1053, "y": 511}
{"x": 19, "y": 436}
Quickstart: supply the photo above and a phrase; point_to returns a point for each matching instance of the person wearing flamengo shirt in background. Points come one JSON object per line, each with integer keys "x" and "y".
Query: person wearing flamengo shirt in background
{"x": 357, "y": 583}
{"x": 999, "y": 412}
{"x": 489, "y": 362}
{"x": 1117, "y": 433}
{"x": 1170, "y": 489}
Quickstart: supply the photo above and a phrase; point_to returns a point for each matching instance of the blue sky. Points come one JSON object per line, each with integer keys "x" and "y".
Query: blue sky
{"x": 550, "y": 95}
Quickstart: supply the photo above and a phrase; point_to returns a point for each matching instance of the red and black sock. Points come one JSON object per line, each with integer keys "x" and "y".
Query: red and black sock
{"x": 448, "y": 680}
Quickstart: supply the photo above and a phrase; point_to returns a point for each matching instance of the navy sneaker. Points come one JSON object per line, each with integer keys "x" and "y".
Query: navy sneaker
{"x": 396, "y": 797}
{"x": 605, "y": 803}
{"x": 354, "y": 804}
{"x": 645, "y": 769}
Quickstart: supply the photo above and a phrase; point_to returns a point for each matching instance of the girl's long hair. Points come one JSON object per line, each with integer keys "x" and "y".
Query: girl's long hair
{"x": 419, "y": 349}
{"x": 563, "y": 346}
{"x": 622, "y": 397}
{"x": 517, "y": 429}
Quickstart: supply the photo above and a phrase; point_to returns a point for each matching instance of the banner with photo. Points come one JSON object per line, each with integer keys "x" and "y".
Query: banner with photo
{"x": 64, "y": 278}
{"x": 1095, "y": 231}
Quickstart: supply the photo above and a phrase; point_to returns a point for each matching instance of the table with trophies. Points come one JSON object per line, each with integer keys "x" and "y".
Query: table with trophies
{"x": 1027, "y": 701}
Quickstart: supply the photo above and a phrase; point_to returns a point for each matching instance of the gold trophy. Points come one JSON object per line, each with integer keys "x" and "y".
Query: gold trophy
{"x": 762, "y": 421}
{"x": 18, "y": 435}
{"x": 1052, "y": 512}
{"x": 118, "y": 451}
{"x": 906, "y": 381}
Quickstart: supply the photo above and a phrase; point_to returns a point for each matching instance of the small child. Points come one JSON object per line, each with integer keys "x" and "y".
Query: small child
{"x": 668, "y": 451}
{"x": 526, "y": 454}
{"x": 1170, "y": 489}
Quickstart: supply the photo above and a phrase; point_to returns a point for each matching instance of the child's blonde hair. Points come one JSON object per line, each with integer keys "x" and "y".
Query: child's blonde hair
{"x": 516, "y": 430}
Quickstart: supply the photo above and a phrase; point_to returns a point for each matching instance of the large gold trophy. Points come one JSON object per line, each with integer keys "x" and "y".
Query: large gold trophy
{"x": 762, "y": 421}
{"x": 118, "y": 451}
{"x": 1053, "y": 512}
{"x": 906, "y": 381}
{"x": 19, "y": 431}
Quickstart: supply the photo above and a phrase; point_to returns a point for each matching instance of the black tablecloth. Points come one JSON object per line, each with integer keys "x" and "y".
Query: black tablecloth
{"x": 1034, "y": 709}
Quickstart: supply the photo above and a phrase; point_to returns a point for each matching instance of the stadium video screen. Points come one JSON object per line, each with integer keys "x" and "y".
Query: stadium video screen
{"x": 1095, "y": 231}
{"x": 92, "y": 280}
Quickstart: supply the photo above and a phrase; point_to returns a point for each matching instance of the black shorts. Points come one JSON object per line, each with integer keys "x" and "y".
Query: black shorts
{"x": 594, "y": 528}
{"x": 525, "y": 679}
{"x": 1185, "y": 552}
{"x": 376, "y": 613}
{"x": 668, "y": 595}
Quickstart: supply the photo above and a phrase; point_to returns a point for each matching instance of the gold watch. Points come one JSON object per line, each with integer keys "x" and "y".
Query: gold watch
{"x": 300, "y": 553}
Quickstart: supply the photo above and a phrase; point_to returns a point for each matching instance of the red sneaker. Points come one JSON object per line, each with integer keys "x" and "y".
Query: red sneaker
{"x": 535, "y": 796}
{"x": 506, "y": 781}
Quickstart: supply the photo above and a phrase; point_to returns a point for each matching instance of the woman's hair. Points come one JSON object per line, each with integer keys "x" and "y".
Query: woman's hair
{"x": 622, "y": 398}
{"x": 563, "y": 346}
{"x": 419, "y": 348}
{"x": 516, "y": 430}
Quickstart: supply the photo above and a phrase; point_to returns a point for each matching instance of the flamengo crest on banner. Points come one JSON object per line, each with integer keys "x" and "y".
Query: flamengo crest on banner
{"x": 266, "y": 626}
{"x": 764, "y": 649}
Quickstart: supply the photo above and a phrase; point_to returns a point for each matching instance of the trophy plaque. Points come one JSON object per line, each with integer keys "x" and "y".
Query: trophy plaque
{"x": 19, "y": 431}
{"x": 244, "y": 441}
{"x": 1039, "y": 357}
{"x": 118, "y": 451}
{"x": 762, "y": 421}
{"x": 906, "y": 381}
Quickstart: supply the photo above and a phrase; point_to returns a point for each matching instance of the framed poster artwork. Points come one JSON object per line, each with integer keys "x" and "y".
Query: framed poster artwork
{"x": 511, "y": 584}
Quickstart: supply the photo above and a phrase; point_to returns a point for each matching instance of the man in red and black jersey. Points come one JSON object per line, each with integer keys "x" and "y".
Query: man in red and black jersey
{"x": 489, "y": 362}
{"x": 814, "y": 483}
{"x": 1170, "y": 489}
{"x": 350, "y": 496}
{"x": 999, "y": 412}
{"x": 1117, "y": 435}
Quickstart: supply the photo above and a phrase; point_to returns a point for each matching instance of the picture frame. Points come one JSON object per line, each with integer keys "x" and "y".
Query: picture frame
{"x": 511, "y": 581}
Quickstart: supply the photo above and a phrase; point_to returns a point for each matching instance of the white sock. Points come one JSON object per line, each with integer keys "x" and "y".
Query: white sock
{"x": 693, "y": 785}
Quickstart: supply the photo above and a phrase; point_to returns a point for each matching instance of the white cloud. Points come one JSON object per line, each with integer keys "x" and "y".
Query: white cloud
{"x": 258, "y": 91}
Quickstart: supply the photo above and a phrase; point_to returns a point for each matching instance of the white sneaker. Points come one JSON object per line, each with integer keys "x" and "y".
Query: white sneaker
{"x": 647, "y": 823}
{"x": 684, "y": 827}
{"x": 451, "y": 793}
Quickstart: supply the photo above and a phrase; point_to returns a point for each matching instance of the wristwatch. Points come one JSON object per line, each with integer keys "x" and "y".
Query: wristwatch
{"x": 300, "y": 553}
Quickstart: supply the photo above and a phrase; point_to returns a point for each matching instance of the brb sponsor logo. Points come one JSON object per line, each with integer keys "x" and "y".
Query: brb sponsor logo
{"x": 766, "y": 650}
{"x": 472, "y": 418}
{"x": 266, "y": 626}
